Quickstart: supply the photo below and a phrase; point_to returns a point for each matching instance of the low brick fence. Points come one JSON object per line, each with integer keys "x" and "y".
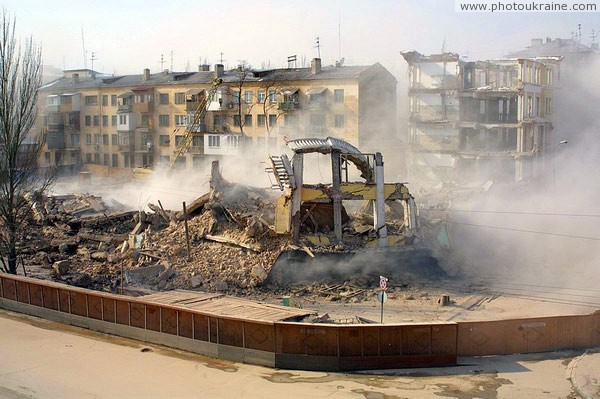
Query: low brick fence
{"x": 293, "y": 345}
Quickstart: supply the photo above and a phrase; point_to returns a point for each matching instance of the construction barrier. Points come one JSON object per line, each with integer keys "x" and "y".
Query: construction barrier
{"x": 305, "y": 346}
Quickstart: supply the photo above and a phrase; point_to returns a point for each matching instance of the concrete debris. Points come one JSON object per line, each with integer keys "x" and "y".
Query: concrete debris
{"x": 61, "y": 267}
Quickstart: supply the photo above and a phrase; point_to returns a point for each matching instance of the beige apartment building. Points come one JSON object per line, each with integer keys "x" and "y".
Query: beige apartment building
{"x": 141, "y": 120}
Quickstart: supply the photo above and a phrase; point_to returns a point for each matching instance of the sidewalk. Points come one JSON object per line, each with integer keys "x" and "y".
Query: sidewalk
{"x": 585, "y": 374}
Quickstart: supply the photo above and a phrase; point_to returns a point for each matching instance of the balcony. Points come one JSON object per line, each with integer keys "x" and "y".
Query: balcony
{"x": 143, "y": 108}
{"x": 56, "y": 140}
{"x": 317, "y": 105}
{"x": 53, "y": 108}
{"x": 191, "y": 106}
{"x": 55, "y": 127}
{"x": 144, "y": 148}
{"x": 200, "y": 128}
{"x": 124, "y": 108}
{"x": 126, "y": 147}
{"x": 288, "y": 105}
{"x": 196, "y": 150}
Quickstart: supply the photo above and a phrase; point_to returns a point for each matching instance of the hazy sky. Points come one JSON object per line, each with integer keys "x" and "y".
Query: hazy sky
{"x": 127, "y": 36}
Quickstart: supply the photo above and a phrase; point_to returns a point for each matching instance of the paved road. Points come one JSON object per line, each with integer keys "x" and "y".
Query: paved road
{"x": 42, "y": 359}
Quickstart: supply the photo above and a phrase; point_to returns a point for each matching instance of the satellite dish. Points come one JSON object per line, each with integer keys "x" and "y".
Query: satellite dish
{"x": 342, "y": 61}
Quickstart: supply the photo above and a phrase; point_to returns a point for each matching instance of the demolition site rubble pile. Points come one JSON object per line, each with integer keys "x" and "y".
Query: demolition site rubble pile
{"x": 88, "y": 243}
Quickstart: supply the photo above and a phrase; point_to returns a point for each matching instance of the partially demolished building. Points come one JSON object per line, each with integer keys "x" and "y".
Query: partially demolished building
{"x": 481, "y": 120}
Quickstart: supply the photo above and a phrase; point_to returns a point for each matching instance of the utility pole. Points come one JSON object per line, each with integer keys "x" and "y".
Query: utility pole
{"x": 162, "y": 62}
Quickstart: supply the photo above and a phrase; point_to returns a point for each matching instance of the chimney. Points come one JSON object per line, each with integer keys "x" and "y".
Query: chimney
{"x": 536, "y": 42}
{"x": 315, "y": 66}
{"x": 146, "y": 74}
{"x": 75, "y": 78}
{"x": 203, "y": 68}
{"x": 219, "y": 70}
{"x": 548, "y": 39}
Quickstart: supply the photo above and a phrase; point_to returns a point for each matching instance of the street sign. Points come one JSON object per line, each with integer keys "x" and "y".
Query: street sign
{"x": 382, "y": 296}
{"x": 383, "y": 282}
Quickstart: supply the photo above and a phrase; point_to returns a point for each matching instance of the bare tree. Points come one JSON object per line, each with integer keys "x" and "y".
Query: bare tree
{"x": 242, "y": 105}
{"x": 20, "y": 177}
{"x": 274, "y": 87}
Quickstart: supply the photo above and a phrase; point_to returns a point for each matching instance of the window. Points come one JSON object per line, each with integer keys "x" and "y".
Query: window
{"x": 163, "y": 98}
{"x": 163, "y": 120}
{"x": 247, "y": 120}
{"x": 482, "y": 107}
{"x": 248, "y": 96}
{"x": 113, "y": 120}
{"x": 178, "y": 140}
{"x": 97, "y": 158}
{"x": 537, "y": 106}
{"x": 122, "y": 119}
{"x": 115, "y": 161}
{"x": 105, "y": 139}
{"x": 145, "y": 121}
{"x": 126, "y": 160}
{"x": 88, "y": 120}
{"x": 91, "y": 100}
{"x": 272, "y": 120}
{"x": 197, "y": 141}
{"x": 317, "y": 120}
{"x": 548, "y": 105}
{"x": 235, "y": 95}
{"x": 261, "y": 96}
{"x": 104, "y": 120}
{"x": 88, "y": 158}
{"x": 75, "y": 140}
{"x": 179, "y": 98}
{"x": 290, "y": 120}
{"x": 214, "y": 141}
{"x": 105, "y": 159}
{"x": 339, "y": 121}
{"x": 232, "y": 141}
{"x": 96, "y": 120}
{"x": 104, "y": 100}
{"x": 96, "y": 139}
{"x": 88, "y": 139}
{"x": 236, "y": 120}
{"x": 113, "y": 100}
{"x": 163, "y": 140}
{"x": 114, "y": 139}
{"x": 179, "y": 120}
{"x": 260, "y": 120}
{"x": 338, "y": 95}
{"x": 272, "y": 96}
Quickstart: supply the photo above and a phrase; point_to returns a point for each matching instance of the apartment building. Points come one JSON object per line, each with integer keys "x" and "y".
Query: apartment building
{"x": 481, "y": 120}
{"x": 140, "y": 120}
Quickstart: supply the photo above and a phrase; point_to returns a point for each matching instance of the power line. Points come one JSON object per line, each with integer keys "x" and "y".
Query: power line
{"x": 527, "y": 231}
{"x": 591, "y": 215}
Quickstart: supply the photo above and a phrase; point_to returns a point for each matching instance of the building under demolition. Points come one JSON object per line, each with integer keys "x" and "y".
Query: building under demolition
{"x": 479, "y": 120}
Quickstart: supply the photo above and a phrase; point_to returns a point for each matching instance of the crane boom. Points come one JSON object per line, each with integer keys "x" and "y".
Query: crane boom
{"x": 192, "y": 127}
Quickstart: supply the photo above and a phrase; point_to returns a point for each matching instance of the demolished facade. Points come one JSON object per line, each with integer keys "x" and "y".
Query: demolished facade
{"x": 479, "y": 121}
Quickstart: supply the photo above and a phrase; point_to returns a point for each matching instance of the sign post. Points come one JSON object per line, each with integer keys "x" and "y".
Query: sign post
{"x": 381, "y": 295}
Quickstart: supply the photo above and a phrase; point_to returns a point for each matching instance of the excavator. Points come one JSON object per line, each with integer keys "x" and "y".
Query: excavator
{"x": 187, "y": 131}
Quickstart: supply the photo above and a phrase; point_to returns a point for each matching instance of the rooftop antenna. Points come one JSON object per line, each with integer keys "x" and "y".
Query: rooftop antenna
{"x": 93, "y": 58}
{"x": 318, "y": 47}
{"x": 84, "y": 52}
{"x": 444, "y": 46}
{"x": 171, "y": 60}
{"x": 221, "y": 57}
{"x": 339, "y": 35}
{"x": 594, "y": 35}
{"x": 162, "y": 62}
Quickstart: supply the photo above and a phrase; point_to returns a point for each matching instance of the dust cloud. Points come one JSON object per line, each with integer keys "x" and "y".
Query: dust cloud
{"x": 544, "y": 232}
